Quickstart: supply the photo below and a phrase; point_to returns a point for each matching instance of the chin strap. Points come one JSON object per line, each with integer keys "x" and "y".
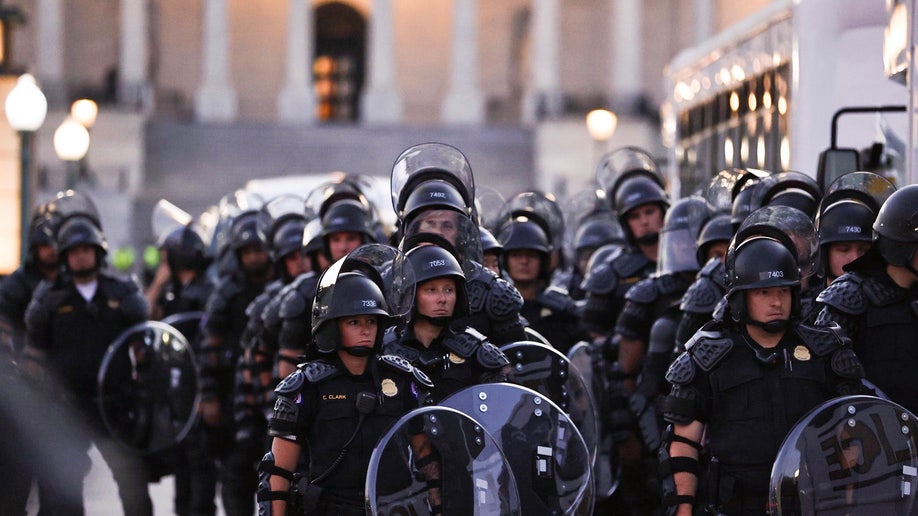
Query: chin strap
{"x": 650, "y": 239}
{"x": 776, "y": 326}
{"x": 441, "y": 322}
{"x": 359, "y": 351}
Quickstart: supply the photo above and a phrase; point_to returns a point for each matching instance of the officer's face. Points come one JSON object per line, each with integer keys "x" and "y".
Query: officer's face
{"x": 297, "y": 263}
{"x": 343, "y": 242}
{"x": 843, "y": 253}
{"x": 645, "y": 219}
{"x": 46, "y": 255}
{"x": 253, "y": 257}
{"x": 769, "y": 304}
{"x": 357, "y": 330}
{"x": 523, "y": 264}
{"x": 718, "y": 249}
{"x": 492, "y": 262}
{"x": 436, "y": 297}
{"x": 81, "y": 258}
{"x": 441, "y": 222}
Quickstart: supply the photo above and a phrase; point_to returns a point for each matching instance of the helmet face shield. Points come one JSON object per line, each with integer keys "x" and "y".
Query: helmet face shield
{"x": 789, "y": 226}
{"x": 622, "y": 163}
{"x": 679, "y": 236}
{"x": 430, "y": 161}
{"x": 457, "y": 229}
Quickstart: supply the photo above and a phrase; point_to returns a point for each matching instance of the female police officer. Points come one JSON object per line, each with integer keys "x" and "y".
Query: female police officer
{"x": 339, "y": 406}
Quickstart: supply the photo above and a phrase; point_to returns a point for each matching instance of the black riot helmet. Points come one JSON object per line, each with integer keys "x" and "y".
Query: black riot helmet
{"x": 312, "y": 240}
{"x": 280, "y": 224}
{"x": 895, "y": 231}
{"x": 489, "y": 243}
{"x": 743, "y": 194}
{"x": 596, "y": 232}
{"x": 522, "y": 233}
{"x": 431, "y": 262}
{"x": 347, "y": 216}
{"x": 718, "y": 228}
{"x": 719, "y": 190}
{"x": 185, "y": 250}
{"x": 538, "y": 207}
{"x": 788, "y": 225}
{"x": 791, "y": 188}
{"x": 244, "y": 231}
{"x": 630, "y": 178}
{"x": 760, "y": 262}
{"x": 81, "y": 230}
{"x": 443, "y": 171}
{"x": 679, "y": 235}
{"x": 374, "y": 280}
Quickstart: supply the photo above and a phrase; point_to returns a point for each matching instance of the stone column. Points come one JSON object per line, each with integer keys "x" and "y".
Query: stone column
{"x": 296, "y": 103}
{"x": 381, "y": 102}
{"x": 464, "y": 103}
{"x": 49, "y": 58}
{"x": 216, "y": 98}
{"x": 543, "y": 94}
{"x": 704, "y": 20}
{"x": 627, "y": 54}
{"x": 133, "y": 84}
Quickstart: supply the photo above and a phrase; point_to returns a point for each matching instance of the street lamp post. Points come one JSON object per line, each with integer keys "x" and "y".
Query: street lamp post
{"x": 71, "y": 142}
{"x": 601, "y": 124}
{"x": 26, "y": 108}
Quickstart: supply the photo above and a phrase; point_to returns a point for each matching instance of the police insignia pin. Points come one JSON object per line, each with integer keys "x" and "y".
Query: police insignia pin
{"x": 802, "y": 353}
{"x": 388, "y": 387}
{"x": 456, "y": 359}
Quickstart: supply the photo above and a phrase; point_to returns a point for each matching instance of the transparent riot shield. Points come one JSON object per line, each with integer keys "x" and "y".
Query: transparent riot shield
{"x": 548, "y": 372}
{"x": 439, "y": 456}
{"x": 189, "y": 325}
{"x": 547, "y": 454}
{"x": 850, "y": 455}
{"x": 148, "y": 387}
{"x": 606, "y": 467}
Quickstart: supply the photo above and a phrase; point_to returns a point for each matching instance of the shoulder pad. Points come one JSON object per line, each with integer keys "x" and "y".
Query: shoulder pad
{"x": 847, "y": 365}
{"x": 491, "y": 357}
{"x": 198, "y": 291}
{"x": 644, "y": 291}
{"x": 701, "y": 297}
{"x": 481, "y": 274}
{"x": 228, "y": 288}
{"x": 845, "y": 295}
{"x": 293, "y": 305}
{"x": 464, "y": 343}
{"x": 400, "y": 364}
{"x": 601, "y": 279}
{"x": 478, "y": 294}
{"x": 257, "y": 305}
{"x": 133, "y": 305}
{"x": 821, "y": 340}
{"x": 708, "y": 347}
{"x": 17, "y": 288}
{"x": 292, "y": 383}
{"x": 561, "y": 278}
{"x": 881, "y": 294}
{"x": 714, "y": 269}
{"x": 682, "y": 370}
{"x": 630, "y": 264}
{"x": 504, "y": 300}
{"x": 319, "y": 370}
{"x": 556, "y": 298}
{"x": 670, "y": 284}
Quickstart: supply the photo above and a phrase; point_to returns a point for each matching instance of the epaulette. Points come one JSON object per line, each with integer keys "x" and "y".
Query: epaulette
{"x": 643, "y": 292}
{"x": 319, "y": 370}
{"x": 630, "y": 264}
{"x": 400, "y": 364}
{"x": 708, "y": 347}
{"x": 845, "y": 295}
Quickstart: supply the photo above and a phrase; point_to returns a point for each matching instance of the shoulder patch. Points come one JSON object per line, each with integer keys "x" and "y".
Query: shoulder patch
{"x": 682, "y": 370}
{"x": 292, "y": 383}
{"x": 845, "y": 295}
{"x": 708, "y": 347}
{"x": 319, "y": 370}
{"x": 644, "y": 291}
{"x": 701, "y": 297}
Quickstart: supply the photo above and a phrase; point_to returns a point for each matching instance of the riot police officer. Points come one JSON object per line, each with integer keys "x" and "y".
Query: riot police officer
{"x": 454, "y": 356}
{"x": 223, "y": 325}
{"x": 743, "y": 382}
{"x": 184, "y": 286}
{"x": 338, "y": 406}
{"x": 70, "y": 322}
{"x": 874, "y": 301}
{"x": 433, "y": 191}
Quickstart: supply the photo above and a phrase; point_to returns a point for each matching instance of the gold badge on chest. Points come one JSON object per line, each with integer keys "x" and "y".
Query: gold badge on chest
{"x": 802, "y": 353}
{"x": 456, "y": 359}
{"x": 388, "y": 387}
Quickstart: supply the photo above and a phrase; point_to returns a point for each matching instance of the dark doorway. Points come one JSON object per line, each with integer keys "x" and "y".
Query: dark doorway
{"x": 341, "y": 34}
